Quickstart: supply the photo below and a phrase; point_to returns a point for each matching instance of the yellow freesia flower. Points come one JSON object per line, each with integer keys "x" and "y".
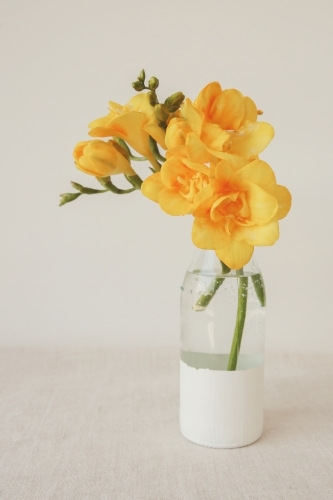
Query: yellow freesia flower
{"x": 219, "y": 123}
{"x": 241, "y": 212}
{"x": 179, "y": 187}
{"x": 133, "y": 123}
{"x": 101, "y": 159}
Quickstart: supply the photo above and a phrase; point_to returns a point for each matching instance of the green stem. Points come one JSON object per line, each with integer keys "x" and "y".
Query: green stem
{"x": 106, "y": 182}
{"x": 240, "y": 321}
{"x": 85, "y": 190}
{"x": 125, "y": 146}
{"x": 138, "y": 158}
{"x": 154, "y": 149}
{"x": 68, "y": 197}
{"x": 259, "y": 288}
{"x": 135, "y": 180}
{"x": 206, "y": 297}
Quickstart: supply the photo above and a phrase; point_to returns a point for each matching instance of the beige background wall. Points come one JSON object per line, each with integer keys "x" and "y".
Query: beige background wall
{"x": 107, "y": 270}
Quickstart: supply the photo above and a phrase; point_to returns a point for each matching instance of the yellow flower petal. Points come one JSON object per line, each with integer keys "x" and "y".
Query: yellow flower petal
{"x": 177, "y": 151}
{"x": 250, "y": 111}
{"x": 236, "y": 160}
{"x": 173, "y": 203}
{"x": 205, "y": 195}
{"x": 196, "y": 150}
{"x": 140, "y": 103}
{"x": 101, "y": 159}
{"x": 228, "y": 109}
{"x": 251, "y": 140}
{"x": 207, "y": 96}
{"x": 78, "y": 150}
{"x": 283, "y": 197}
{"x": 152, "y": 186}
{"x": 101, "y": 123}
{"x": 225, "y": 172}
{"x": 260, "y": 173}
{"x": 198, "y": 167}
{"x": 267, "y": 234}
{"x": 213, "y": 136}
{"x": 176, "y": 133}
{"x": 215, "y": 214}
{"x": 208, "y": 234}
{"x": 156, "y": 132}
{"x": 204, "y": 201}
{"x": 263, "y": 205}
{"x": 236, "y": 254}
{"x": 129, "y": 127}
{"x": 100, "y": 131}
{"x": 171, "y": 170}
{"x": 115, "y": 108}
{"x": 193, "y": 116}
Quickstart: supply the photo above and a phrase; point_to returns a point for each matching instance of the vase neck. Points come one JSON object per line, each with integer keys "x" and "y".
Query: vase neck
{"x": 207, "y": 262}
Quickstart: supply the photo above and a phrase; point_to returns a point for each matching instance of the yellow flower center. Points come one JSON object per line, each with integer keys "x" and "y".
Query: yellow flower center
{"x": 230, "y": 209}
{"x": 190, "y": 186}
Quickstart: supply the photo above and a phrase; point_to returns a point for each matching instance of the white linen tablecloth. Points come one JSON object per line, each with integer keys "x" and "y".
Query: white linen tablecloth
{"x": 102, "y": 424}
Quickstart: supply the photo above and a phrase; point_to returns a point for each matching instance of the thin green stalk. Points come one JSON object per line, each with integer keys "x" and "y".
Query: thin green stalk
{"x": 135, "y": 180}
{"x": 68, "y": 197}
{"x": 240, "y": 321}
{"x": 125, "y": 146}
{"x": 154, "y": 149}
{"x": 85, "y": 190}
{"x": 206, "y": 297}
{"x": 106, "y": 182}
{"x": 259, "y": 288}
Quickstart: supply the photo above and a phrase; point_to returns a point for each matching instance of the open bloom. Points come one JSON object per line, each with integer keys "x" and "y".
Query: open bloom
{"x": 219, "y": 123}
{"x": 133, "y": 123}
{"x": 241, "y": 211}
{"x": 101, "y": 159}
{"x": 178, "y": 187}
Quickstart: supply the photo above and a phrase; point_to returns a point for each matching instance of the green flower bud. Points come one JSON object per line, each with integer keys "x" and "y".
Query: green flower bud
{"x": 142, "y": 76}
{"x": 138, "y": 86}
{"x": 152, "y": 97}
{"x": 67, "y": 197}
{"x": 153, "y": 83}
{"x": 161, "y": 112}
{"x": 174, "y": 101}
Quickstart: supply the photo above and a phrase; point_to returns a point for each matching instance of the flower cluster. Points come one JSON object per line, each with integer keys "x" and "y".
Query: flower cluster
{"x": 211, "y": 168}
{"x": 213, "y": 172}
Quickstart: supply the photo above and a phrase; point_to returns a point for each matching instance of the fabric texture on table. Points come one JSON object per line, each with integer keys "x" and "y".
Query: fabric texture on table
{"x": 102, "y": 424}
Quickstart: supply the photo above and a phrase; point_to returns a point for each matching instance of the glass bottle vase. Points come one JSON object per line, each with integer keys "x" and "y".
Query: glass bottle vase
{"x": 222, "y": 353}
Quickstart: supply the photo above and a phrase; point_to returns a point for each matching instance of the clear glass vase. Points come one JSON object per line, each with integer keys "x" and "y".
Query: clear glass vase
{"x": 222, "y": 352}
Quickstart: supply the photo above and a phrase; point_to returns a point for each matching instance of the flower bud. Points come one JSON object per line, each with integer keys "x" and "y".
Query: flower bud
{"x": 152, "y": 97}
{"x": 153, "y": 83}
{"x": 161, "y": 112}
{"x": 138, "y": 86}
{"x": 174, "y": 101}
{"x": 67, "y": 197}
{"x": 142, "y": 76}
{"x": 100, "y": 158}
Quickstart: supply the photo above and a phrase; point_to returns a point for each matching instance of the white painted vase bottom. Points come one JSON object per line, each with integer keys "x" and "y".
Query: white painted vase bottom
{"x": 219, "y": 408}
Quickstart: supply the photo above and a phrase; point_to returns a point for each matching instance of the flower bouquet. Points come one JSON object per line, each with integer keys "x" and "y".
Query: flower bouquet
{"x": 204, "y": 162}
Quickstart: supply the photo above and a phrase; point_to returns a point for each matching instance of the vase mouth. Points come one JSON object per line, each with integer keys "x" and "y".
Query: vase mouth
{"x": 206, "y": 262}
